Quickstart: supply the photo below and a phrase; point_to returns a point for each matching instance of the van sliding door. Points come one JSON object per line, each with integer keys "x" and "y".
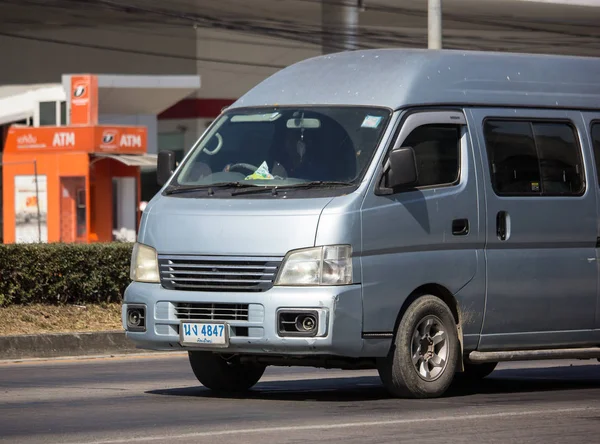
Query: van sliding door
{"x": 593, "y": 127}
{"x": 541, "y": 229}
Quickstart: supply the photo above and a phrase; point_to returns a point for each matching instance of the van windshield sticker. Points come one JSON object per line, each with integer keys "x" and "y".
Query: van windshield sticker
{"x": 371, "y": 122}
{"x": 261, "y": 173}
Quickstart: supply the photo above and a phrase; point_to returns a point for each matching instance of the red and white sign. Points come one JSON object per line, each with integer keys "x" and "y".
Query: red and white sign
{"x": 84, "y": 100}
{"x": 109, "y": 140}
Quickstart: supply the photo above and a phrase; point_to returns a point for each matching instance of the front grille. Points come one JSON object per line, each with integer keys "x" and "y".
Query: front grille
{"x": 224, "y": 274}
{"x": 211, "y": 312}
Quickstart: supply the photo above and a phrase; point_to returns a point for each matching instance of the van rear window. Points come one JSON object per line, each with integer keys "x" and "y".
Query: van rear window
{"x": 536, "y": 158}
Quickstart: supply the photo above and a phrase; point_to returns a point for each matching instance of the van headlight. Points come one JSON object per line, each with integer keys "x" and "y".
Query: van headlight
{"x": 144, "y": 264}
{"x": 329, "y": 265}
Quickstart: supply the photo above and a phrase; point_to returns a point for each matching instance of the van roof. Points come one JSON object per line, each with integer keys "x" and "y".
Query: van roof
{"x": 398, "y": 78}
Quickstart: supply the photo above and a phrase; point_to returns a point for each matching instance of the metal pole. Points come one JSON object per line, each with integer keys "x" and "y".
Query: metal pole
{"x": 37, "y": 201}
{"x": 434, "y": 23}
{"x": 339, "y": 26}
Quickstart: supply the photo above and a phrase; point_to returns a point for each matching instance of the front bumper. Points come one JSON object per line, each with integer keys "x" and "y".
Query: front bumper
{"x": 340, "y": 309}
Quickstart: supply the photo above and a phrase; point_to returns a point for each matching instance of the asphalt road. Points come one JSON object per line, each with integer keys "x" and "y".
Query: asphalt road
{"x": 142, "y": 399}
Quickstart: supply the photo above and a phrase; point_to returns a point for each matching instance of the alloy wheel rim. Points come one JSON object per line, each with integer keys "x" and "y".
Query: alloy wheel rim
{"x": 430, "y": 348}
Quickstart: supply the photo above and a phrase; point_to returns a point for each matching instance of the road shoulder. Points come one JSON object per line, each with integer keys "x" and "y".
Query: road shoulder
{"x": 52, "y": 345}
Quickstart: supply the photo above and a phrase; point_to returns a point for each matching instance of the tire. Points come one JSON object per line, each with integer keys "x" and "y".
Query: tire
{"x": 398, "y": 372}
{"x": 221, "y": 375}
{"x": 476, "y": 372}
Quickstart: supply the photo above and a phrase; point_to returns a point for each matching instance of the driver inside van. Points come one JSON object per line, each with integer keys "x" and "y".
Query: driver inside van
{"x": 294, "y": 160}
{"x": 290, "y": 158}
{"x": 323, "y": 153}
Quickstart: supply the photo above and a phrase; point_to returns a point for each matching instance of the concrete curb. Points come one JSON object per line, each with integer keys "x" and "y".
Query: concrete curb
{"x": 66, "y": 344}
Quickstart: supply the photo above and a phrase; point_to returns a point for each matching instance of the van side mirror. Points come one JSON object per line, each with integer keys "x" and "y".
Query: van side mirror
{"x": 401, "y": 168}
{"x": 165, "y": 166}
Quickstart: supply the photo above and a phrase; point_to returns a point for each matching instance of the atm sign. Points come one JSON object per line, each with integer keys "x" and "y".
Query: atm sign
{"x": 123, "y": 139}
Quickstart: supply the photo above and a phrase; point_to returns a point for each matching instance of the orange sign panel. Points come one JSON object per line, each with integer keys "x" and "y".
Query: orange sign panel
{"x": 24, "y": 139}
{"x": 121, "y": 139}
{"x": 91, "y": 139}
{"x": 84, "y": 100}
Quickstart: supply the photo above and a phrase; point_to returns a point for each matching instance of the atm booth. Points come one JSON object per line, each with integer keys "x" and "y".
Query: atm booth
{"x": 77, "y": 179}
{"x": 72, "y": 184}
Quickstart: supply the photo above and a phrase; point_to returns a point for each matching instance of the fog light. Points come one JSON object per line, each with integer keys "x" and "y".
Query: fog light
{"x": 136, "y": 318}
{"x": 298, "y": 323}
{"x": 306, "y": 323}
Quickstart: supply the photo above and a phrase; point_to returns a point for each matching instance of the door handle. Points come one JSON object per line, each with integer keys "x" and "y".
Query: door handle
{"x": 502, "y": 225}
{"x": 460, "y": 227}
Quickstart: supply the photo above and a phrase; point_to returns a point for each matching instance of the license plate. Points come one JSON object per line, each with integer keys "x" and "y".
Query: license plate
{"x": 204, "y": 333}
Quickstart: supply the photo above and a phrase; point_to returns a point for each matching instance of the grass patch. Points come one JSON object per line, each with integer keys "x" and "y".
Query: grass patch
{"x": 40, "y": 318}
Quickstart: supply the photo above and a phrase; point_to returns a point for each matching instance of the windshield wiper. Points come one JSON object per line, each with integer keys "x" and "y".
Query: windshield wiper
{"x": 210, "y": 187}
{"x": 305, "y": 185}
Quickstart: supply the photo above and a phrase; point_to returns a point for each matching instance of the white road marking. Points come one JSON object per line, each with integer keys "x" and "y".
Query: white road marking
{"x": 389, "y": 422}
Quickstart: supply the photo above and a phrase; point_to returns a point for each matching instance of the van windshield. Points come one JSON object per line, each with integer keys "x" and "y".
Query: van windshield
{"x": 278, "y": 147}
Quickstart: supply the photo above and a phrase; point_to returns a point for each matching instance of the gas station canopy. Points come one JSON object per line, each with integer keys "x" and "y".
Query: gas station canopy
{"x": 139, "y": 94}
{"x": 122, "y": 95}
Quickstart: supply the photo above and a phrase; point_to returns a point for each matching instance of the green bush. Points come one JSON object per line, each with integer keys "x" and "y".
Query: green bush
{"x": 63, "y": 273}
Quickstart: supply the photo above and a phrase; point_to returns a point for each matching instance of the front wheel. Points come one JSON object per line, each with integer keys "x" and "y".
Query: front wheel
{"x": 424, "y": 357}
{"x": 219, "y": 374}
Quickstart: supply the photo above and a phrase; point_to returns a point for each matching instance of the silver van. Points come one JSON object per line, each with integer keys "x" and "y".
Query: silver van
{"x": 424, "y": 213}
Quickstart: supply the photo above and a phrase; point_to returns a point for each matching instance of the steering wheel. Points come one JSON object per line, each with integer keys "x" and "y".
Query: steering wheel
{"x": 243, "y": 165}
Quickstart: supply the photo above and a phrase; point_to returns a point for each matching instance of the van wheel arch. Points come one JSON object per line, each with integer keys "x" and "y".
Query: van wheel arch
{"x": 447, "y": 297}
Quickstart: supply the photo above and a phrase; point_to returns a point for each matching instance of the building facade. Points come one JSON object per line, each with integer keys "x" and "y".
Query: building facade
{"x": 233, "y": 45}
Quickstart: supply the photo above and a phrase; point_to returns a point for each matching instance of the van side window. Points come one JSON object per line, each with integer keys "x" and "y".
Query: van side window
{"x": 534, "y": 158}
{"x": 437, "y": 150}
{"x": 560, "y": 158}
{"x": 596, "y": 143}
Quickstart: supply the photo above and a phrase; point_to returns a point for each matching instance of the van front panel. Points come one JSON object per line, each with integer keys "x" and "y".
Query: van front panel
{"x": 263, "y": 188}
